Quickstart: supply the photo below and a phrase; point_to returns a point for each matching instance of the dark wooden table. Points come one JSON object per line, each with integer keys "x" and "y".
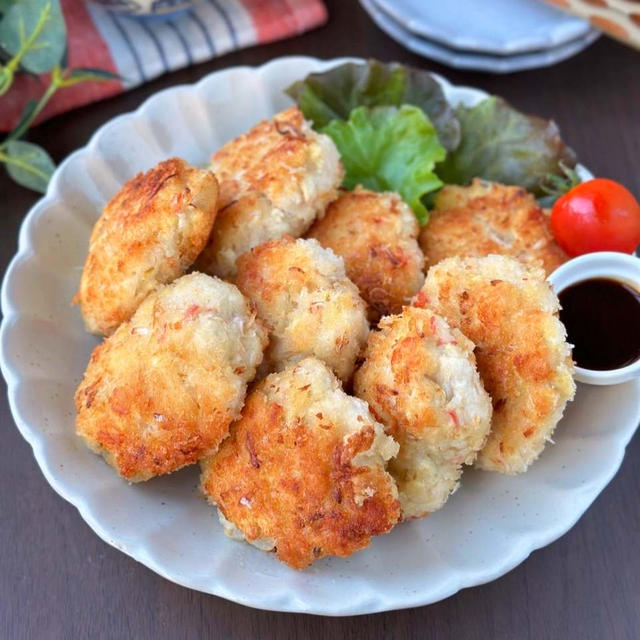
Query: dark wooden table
{"x": 59, "y": 580}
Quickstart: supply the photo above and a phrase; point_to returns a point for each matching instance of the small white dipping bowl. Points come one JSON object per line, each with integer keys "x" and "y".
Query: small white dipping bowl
{"x": 605, "y": 264}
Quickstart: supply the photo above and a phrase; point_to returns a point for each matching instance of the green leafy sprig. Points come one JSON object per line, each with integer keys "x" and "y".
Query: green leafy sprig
{"x": 553, "y": 185}
{"x": 33, "y": 40}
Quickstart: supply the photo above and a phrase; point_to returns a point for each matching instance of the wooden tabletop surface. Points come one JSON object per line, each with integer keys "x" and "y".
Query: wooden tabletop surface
{"x": 59, "y": 580}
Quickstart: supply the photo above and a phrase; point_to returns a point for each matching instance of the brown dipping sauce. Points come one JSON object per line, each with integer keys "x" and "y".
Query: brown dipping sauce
{"x": 602, "y": 318}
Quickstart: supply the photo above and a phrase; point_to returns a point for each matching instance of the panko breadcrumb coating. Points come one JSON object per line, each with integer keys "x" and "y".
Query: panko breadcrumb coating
{"x": 511, "y": 314}
{"x": 306, "y": 301}
{"x": 149, "y": 234}
{"x": 162, "y": 391}
{"x": 376, "y": 235}
{"x": 302, "y": 472}
{"x": 274, "y": 180}
{"x": 419, "y": 377}
{"x": 490, "y": 218}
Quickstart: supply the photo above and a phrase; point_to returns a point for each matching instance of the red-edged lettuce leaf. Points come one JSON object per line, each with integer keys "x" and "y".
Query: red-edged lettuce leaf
{"x": 333, "y": 94}
{"x": 502, "y": 144}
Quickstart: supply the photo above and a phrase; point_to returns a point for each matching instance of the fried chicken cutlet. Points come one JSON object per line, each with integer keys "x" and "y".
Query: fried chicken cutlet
{"x": 490, "y": 218}
{"x": 376, "y": 235}
{"x": 420, "y": 379}
{"x": 148, "y": 235}
{"x": 274, "y": 180}
{"x": 302, "y": 472}
{"x": 162, "y": 391}
{"x": 510, "y": 313}
{"x": 307, "y": 303}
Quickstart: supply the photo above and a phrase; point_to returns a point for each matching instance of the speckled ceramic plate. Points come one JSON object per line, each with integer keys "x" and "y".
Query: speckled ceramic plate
{"x": 475, "y": 60}
{"x": 498, "y": 27}
{"x": 489, "y": 526}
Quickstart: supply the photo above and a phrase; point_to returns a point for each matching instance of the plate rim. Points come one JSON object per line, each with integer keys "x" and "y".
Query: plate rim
{"x": 527, "y": 544}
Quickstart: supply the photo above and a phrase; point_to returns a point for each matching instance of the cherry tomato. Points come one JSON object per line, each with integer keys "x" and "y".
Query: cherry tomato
{"x": 597, "y": 215}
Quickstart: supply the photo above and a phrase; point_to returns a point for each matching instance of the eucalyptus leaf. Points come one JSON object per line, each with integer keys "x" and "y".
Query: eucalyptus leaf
{"x": 5, "y": 57}
{"x": 333, "y": 94}
{"x": 29, "y": 165}
{"x": 5, "y": 5}
{"x": 502, "y": 144}
{"x": 19, "y": 24}
{"x": 83, "y": 74}
{"x": 6, "y": 79}
{"x": 28, "y": 110}
{"x": 390, "y": 149}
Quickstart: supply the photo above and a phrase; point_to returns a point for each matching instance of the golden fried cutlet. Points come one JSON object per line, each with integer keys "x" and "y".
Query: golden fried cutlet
{"x": 376, "y": 235}
{"x": 162, "y": 390}
{"x": 306, "y": 301}
{"x": 149, "y": 234}
{"x": 511, "y": 314}
{"x": 302, "y": 472}
{"x": 420, "y": 379}
{"x": 274, "y": 180}
{"x": 490, "y": 218}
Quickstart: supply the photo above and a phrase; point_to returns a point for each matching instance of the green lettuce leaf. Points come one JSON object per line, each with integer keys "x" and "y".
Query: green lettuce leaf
{"x": 502, "y": 144}
{"x": 333, "y": 94}
{"x": 390, "y": 149}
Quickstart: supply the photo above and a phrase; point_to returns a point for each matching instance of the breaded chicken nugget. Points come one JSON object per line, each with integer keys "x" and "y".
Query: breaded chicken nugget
{"x": 306, "y": 301}
{"x": 163, "y": 389}
{"x": 511, "y": 314}
{"x": 376, "y": 235}
{"x": 303, "y": 470}
{"x": 149, "y": 233}
{"x": 274, "y": 181}
{"x": 490, "y": 218}
{"x": 419, "y": 377}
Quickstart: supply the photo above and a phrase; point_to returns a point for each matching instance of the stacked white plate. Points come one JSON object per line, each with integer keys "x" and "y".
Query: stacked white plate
{"x": 497, "y": 36}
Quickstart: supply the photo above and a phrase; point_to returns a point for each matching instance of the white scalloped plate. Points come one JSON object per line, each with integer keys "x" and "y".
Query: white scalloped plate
{"x": 489, "y": 526}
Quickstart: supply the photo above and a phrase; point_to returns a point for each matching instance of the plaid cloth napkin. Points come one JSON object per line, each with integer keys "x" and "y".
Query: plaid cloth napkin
{"x": 139, "y": 50}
